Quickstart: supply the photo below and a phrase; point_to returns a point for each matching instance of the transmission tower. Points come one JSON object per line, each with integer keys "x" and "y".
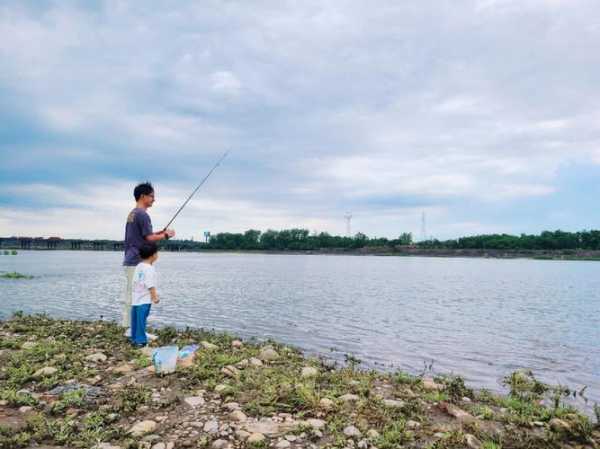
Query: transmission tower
{"x": 423, "y": 227}
{"x": 348, "y": 218}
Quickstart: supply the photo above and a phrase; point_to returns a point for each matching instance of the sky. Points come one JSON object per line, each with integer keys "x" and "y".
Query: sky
{"x": 481, "y": 115}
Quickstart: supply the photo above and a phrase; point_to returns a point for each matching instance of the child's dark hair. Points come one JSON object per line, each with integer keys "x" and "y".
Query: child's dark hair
{"x": 148, "y": 250}
{"x": 144, "y": 188}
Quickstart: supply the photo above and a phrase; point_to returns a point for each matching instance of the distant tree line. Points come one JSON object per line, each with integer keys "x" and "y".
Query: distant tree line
{"x": 302, "y": 239}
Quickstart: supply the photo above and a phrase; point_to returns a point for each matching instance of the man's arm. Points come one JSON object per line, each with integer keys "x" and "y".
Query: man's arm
{"x": 154, "y": 295}
{"x": 161, "y": 235}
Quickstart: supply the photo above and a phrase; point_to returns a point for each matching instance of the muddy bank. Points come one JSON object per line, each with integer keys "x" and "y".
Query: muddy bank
{"x": 80, "y": 384}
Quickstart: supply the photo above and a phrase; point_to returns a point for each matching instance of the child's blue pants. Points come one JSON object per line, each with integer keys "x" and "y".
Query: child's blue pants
{"x": 139, "y": 316}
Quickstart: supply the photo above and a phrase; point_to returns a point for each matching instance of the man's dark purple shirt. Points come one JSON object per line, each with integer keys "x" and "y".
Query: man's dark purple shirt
{"x": 137, "y": 228}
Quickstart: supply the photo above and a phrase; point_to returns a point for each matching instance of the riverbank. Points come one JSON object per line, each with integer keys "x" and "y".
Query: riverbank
{"x": 80, "y": 384}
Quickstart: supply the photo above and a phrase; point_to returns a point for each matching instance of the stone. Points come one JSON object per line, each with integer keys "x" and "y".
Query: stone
{"x": 142, "y": 428}
{"x": 559, "y": 425}
{"x": 106, "y": 446}
{"x": 413, "y": 424}
{"x": 211, "y": 426}
{"x": 123, "y": 368}
{"x": 372, "y": 434}
{"x": 538, "y": 424}
{"x": 208, "y": 346}
{"x": 472, "y": 441}
{"x": 309, "y": 371}
{"x": 231, "y": 371}
{"x": 393, "y": 403}
{"x": 45, "y": 371}
{"x": 243, "y": 435}
{"x": 458, "y": 413}
{"x": 269, "y": 427}
{"x": 221, "y": 388}
{"x": 430, "y": 385}
{"x": 3, "y": 403}
{"x": 25, "y": 409}
{"x": 316, "y": 423}
{"x": 267, "y": 353}
{"x": 349, "y": 398}
{"x": 362, "y": 444}
{"x": 194, "y": 401}
{"x": 256, "y": 438}
{"x": 352, "y": 432}
{"x": 291, "y": 438}
{"x": 219, "y": 444}
{"x": 171, "y": 445}
{"x": 242, "y": 364}
{"x": 255, "y": 362}
{"x": 326, "y": 404}
{"x": 236, "y": 344}
{"x": 97, "y": 357}
{"x": 159, "y": 446}
{"x": 28, "y": 345}
{"x": 238, "y": 416}
{"x": 232, "y": 406}
{"x": 283, "y": 444}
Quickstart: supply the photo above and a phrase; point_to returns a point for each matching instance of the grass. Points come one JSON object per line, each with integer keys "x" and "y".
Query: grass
{"x": 15, "y": 275}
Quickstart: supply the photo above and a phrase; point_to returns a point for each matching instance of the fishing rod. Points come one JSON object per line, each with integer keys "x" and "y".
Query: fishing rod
{"x": 196, "y": 189}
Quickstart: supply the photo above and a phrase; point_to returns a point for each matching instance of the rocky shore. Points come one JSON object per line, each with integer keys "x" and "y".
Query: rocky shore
{"x": 80, "y": 384}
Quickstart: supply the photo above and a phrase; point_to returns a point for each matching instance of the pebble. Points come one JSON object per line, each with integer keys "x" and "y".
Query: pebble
{"x": 412, "y": 424}
{"x": 230, "y": 371}
{"x": 194, "y": 401}
{"x": 362, "y": 444}
{"x": 309, "y": 371}
{"x": 430, "y": 385}
{"x": 349, "y": 398}
{"x": 559, "y": 425}
{"x": 142, "y": 427}
{"x": 243, "y": 435}
{"x": 372, "y": 434}
{"x": 393, "y": 403}
{"x": 97, "y": 357}
{"x": 326, "y": 403}
{"x": 106, "y": 446}
{"x": 352, "y": 432}
{"x": 211, "y": 426}
{"x": 159, "y": 446}
{"x": 25, "y": 409}
{"x": 268, "y": 353}
{"x": 256, "y": 438}
{"x": 255, "y": 362}
{"x": 472, "y": 441}
{"x": 316, "y": 423}
{"x": 220, "y": 444}
{"x": 237, "y": 416}
{"x": 232, "y": 406}
{"x": 45, "y": 371}
{"x": 283, "y": 444}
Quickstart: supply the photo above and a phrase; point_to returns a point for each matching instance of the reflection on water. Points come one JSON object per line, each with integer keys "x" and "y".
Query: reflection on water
{"x": 480, "y": 318}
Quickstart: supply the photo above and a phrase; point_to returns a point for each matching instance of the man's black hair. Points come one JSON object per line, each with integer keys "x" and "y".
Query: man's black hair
{"x": 148, "y": 250}
{"x": 144, "y": 188}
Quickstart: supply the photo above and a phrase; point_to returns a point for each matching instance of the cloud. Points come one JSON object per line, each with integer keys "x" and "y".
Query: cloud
{"x": 326, "y": 107}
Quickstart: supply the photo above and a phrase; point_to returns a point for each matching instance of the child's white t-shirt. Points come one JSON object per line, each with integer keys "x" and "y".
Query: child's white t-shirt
{"x": 144, "y": 278}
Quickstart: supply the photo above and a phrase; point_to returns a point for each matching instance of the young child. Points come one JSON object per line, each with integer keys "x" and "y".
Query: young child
{"x": 143, "y": 293}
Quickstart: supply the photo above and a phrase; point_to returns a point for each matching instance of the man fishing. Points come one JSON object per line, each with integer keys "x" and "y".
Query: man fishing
{"x": 138, "y": 231}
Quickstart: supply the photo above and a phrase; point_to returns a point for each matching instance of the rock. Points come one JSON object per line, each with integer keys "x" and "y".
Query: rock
{"x": 232, "y": 406}
{"x": 283, "y": 444}
{"x": 559, "y": 425}
{"x": 221, "y": 388}
{"x": 219, "y": 444}
{"x": 362, "y": 444}
{"x": 97, "y": 357}
{"x": 45, "y": 371}
{"x": 291, "y": 438}
{"x": 208, "y": 346}
{"x": 231, "y": 371}
{"x": 413, "y": 424}
{"x": 256, "y": 438}
{"x": 124, "y": 368}
{"x": 268, "y": 353}
{"x": 466, "y": 399}
{"x": 538, "y": 424}
{"x": 326, "y": 404}
{"x": 242, "y": 364}
{"x": 28, "y": 345}
{"x": 171, "y": 445}
{"x": 211, "y": 426}
{"x": 459, "y": 414}
{"x": 25, "y": 409}
{"x": 3, "y": 403}
{"x": 194, "y": 401}
{"x": 243, "y": 435}
{"x": 89, "y": 392}
{"x": 316, "y": 423}
{"x": 142, "y": 428}
{"x": 349, "y": 398}
{"x": 430, "y": 385}
{"x": 159, "y": 446}
{"x": 309, "y": 371}
{"x": 147, "y": 351}
{"x": 352, "y": 432}
{"x": 255, "y": 362}
{"x": 269, "y": 427}
{"x": 238, "y": 416}
{"x": 236, "y": 344}
{"x": 472, "y": 441}
{"x": 372, "y": 434}
{"x": 392, "y": 403}
{"x": 106, "y": 446}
